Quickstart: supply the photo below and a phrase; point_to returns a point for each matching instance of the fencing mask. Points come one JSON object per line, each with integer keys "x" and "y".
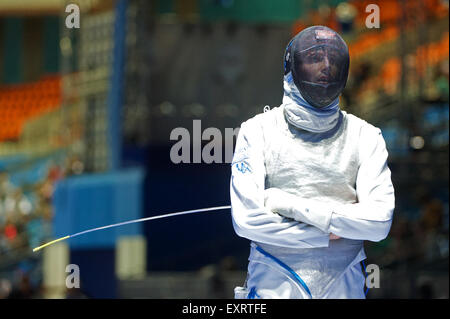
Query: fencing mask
{"x": 319, "y": 61}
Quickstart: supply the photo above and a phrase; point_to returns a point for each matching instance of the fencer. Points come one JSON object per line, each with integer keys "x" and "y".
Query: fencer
{"x": 309, "y": 182}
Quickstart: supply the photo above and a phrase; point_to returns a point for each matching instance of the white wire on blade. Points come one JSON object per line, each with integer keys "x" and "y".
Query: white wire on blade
{"x": 193, "y": 211}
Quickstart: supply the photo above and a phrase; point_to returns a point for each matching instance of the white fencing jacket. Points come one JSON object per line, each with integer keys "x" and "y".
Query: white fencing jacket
{"x": 339, "y": 183}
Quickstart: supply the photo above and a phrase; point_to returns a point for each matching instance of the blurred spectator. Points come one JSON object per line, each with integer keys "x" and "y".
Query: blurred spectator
{"x": 55, "y": 172}
{"x": 5, "y": 288}
{"x": 425, "y": 287}
{"x": 441, "y": 81}
{"x": 346, "y": 14}
{"x": 73, "y": 166}
{"x": 5, "y": 185}
{"x": 5, "y": 189}
{"x": 399, "y": 247}
{"x": 24, "y": 290}
{"x": 434, "y": 240}
{"x": 76, "y": 293}
{"x": 216, "y": 275}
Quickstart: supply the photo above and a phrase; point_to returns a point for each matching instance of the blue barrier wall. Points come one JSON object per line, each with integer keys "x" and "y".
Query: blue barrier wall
{"x": 91, "y": 201}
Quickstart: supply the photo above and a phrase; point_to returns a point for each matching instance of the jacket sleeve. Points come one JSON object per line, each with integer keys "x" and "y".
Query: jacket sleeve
{"x": 371, "y": 217}
{"x": 250, "y": 218}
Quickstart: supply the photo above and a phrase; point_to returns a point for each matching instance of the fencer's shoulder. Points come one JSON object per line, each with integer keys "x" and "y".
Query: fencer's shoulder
{"x": 370, "y": 138}
{"x": 362, "y": 126}
{"x": 263, "y": 120}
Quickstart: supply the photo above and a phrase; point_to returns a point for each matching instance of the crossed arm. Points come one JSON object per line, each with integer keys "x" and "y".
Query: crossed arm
{"x": 276, "y": 217}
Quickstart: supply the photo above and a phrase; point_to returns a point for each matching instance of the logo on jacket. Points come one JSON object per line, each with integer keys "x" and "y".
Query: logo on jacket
{"x": 242, "y": 167}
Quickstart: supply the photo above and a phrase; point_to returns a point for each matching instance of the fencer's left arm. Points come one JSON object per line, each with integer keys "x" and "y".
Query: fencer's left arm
{"x": 368, "y": 219}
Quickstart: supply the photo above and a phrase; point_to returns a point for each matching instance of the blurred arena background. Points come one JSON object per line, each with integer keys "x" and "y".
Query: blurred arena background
{"x": 86, "y": 115}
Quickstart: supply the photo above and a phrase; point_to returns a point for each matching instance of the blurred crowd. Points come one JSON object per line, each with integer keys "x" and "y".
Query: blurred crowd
{"x": 415, "y": 241}
{"x": 26, "y": 222}
{"x": 24, "y": 218}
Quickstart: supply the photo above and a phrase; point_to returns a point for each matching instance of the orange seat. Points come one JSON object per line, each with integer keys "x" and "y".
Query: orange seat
{"x": 18, "y": 103}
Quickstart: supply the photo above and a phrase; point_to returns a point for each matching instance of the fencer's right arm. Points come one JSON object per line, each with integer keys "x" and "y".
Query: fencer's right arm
{"x": 251, "y": 219}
